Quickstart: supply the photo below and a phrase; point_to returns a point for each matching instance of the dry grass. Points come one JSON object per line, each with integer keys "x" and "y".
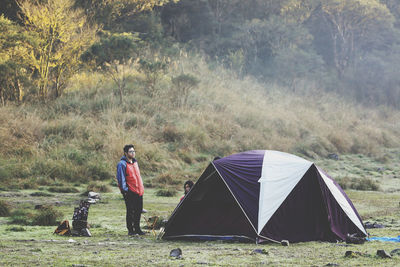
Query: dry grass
{"x": 223, "y": 115}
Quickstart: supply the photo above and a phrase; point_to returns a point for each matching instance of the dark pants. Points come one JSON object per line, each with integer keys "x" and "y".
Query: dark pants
{"x": 134, "y": 207}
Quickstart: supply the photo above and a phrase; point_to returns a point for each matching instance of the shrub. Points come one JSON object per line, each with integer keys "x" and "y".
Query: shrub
{"x": 64, "y": 128}
{"x": 131, "y": 122}
{"x": 166, "y": 192}
{"x": 63, "y": 189}
{"x": 16, "y": 229}
{"x": 4, "y": 209}
{"x": 75, "y": 155}
{"x": 166, "y": 179}
{"x": 46, "y": 216}
{"x": 28, "y": 184}
{"x": 148, "y": 184}
{"x": 365, "y": 184}
{"x": 41, "y": 194}
{"x": 171, "y": 134}
{"x": 98, "y": 170}
{"x": 98, "y": 187}
{"x": 183, "y": 85}
{"x": 20, "y": 216}
{"x": 186, "y": 157}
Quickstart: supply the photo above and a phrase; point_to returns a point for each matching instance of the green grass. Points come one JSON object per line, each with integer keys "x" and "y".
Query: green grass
{"x": 72, "y": 144}
{"x": 110, "y": 245}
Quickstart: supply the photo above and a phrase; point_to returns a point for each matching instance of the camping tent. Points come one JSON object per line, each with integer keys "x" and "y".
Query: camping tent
{"x": 264, "y": 195}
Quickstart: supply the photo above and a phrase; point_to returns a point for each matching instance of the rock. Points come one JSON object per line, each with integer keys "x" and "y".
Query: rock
{"x": 71, "y": 241}
{"x": 333, "y": 156}
{"x": 259, "y": 251}
{"x": 144, "y": 211}
{"x": 383, "y": 254}
{"x": 354, "y": 239}
{"x": 285, "y": 243}
{"x": 395, "y": 252}
{"x": 369, "y": 225}
{"x": 177, "y": 253}
{"x": 93, "y": 195}
{"x": 382, "y": 169}
{"x": 91, "y": 201}
{"x": 38, "y": 207}
{"x": 352, "y": 254}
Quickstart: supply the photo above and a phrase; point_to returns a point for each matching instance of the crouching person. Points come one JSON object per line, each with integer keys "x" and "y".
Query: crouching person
{"x": 131, "y": 185}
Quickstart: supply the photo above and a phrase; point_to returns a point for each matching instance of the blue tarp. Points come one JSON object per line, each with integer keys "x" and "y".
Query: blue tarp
{"x": 385, "y": 239}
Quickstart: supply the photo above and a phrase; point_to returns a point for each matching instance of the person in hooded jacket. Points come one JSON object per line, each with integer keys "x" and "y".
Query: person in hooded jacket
{"x": 131, "y": 186}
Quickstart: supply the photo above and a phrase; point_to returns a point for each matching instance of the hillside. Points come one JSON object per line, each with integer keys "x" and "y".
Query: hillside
{"x": 78, "y": 137}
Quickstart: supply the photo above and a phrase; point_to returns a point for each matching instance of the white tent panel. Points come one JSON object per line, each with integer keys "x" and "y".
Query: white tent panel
{"x": 280, "y": 174}
{"x": 344, "y": 204}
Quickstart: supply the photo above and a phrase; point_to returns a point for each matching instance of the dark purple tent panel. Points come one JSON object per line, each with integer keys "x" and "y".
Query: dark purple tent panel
{"x": 302, "y": 216}
{"x": 340, "y": 223}
{"x": 224, "y": 204}
{"x": 241, "y": 172}
{"x": 208, "y": 210}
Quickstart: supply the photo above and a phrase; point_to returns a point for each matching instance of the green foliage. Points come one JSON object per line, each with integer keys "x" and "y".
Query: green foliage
{"x": 46, "y": 216}
{"x": 114, "y": 55}
{"x": 172, "y": 134}
{"x": 364, "y": 184}
{"x": 166, "y": 179}
{"x": 153, "y": 70}
{"x": 14, "y": 71}
{"x": 98, "y": 187}
{"x": 62, "y": 35}
{"x": 4, "y": 209}
{"x": 112, "y": 47}
{"x": 117, "y": 15}
{"x": 41, "y": 194}
{"x": 20, "y": 216}
{"x": 98, "y": 170}
{"x": 63, "y": 189}
{"x": 166, "y": 192}
{"x": 183, "y": 84}
{"x": 16, "y": 229}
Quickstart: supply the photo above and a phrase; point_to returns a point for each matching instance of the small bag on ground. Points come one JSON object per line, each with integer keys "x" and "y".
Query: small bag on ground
{"x": 63, "y": 229}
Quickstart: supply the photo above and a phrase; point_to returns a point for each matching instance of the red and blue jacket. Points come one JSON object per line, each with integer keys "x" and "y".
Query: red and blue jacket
{"x": 128, "y": 176}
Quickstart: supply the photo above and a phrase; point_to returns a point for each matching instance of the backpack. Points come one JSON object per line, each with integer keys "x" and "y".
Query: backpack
{"x": 63, "y": 228}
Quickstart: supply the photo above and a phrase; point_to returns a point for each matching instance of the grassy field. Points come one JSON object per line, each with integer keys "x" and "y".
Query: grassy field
{"x": 110, "y": 245}
{"x": 58, "y": 149}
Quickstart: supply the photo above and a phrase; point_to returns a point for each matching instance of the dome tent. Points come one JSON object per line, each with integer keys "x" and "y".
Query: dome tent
{"x": 264, "y": 195}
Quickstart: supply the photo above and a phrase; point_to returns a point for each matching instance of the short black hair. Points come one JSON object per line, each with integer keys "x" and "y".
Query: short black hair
{"x": 127, "y": 147}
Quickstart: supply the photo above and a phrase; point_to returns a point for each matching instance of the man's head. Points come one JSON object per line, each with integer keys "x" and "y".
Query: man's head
{"x": 129, "y": 151}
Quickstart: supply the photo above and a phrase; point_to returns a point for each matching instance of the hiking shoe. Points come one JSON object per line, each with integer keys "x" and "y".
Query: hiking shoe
{"x": 131, "y": 233}
{"x": 140, "y": 232}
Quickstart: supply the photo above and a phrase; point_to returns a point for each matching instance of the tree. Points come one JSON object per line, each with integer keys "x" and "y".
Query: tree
{"x": 183, "y": 84}
{"x": 111, "y": 13}
{"x": 13, "y": 69}
{"x": 350, "y": 24}
{"x": 113, "y": 55}
{"x": 62, "y": 36}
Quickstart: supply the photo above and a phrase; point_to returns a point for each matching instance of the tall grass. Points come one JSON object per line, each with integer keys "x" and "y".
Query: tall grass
{"x": 79, "y": 137}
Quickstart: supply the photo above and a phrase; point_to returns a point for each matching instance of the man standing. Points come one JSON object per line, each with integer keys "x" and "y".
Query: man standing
{"x": 131, "y": 185}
